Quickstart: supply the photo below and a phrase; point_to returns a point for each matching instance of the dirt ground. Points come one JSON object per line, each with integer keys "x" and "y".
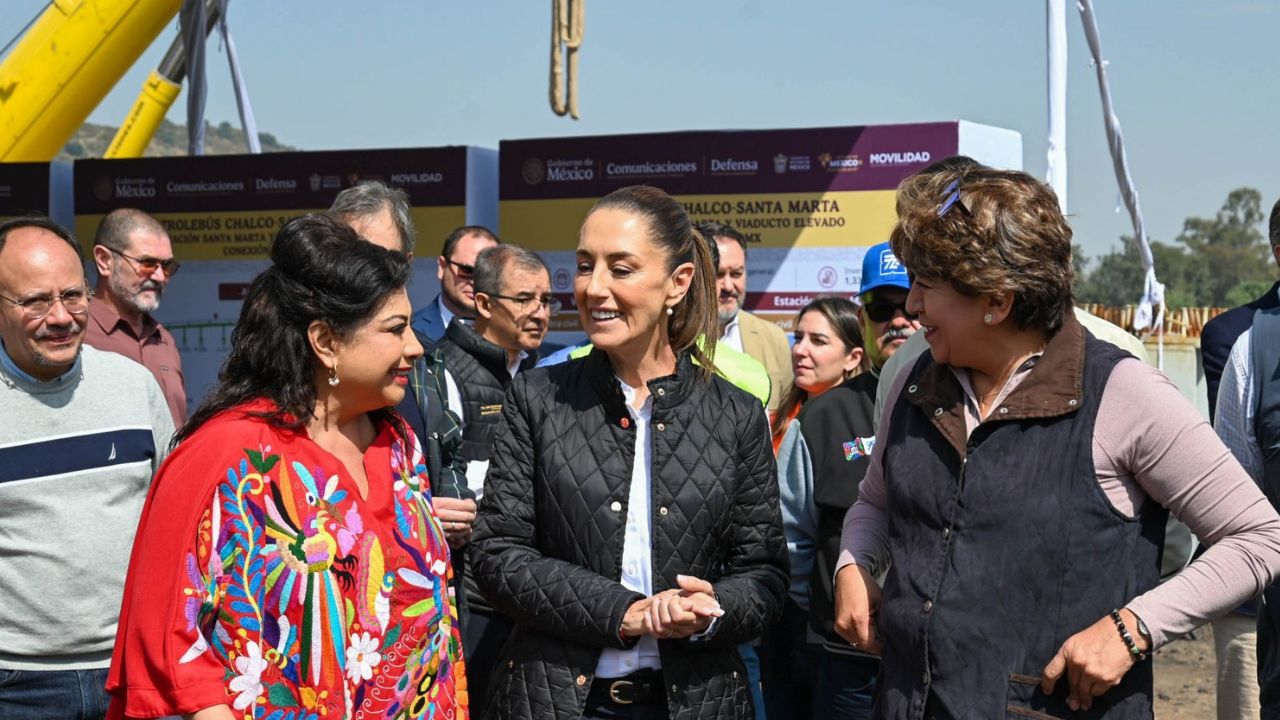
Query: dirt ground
{"x": 1184, "y": 675}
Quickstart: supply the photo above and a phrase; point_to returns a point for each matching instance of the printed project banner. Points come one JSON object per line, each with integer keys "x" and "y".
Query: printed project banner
{"x": 809, "y": 201}
{"x": 222, "y": 213}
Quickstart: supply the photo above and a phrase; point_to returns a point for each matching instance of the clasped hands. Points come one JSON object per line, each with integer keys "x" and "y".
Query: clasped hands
{"x": 676, "y": 613}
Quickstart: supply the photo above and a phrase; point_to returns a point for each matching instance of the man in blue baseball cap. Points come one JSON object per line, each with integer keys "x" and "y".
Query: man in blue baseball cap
{"x": 886, "y": 325}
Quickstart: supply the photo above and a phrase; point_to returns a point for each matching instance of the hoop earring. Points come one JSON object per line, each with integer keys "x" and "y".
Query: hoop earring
{"x": 333, "y": 376}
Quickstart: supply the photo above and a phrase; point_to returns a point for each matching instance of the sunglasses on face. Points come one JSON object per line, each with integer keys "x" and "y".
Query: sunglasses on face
{"x": 884, "y": 310}
{"x": 36, "y": 307}
{"x": 462, "y": 270}
{"x": 148, "y": 265}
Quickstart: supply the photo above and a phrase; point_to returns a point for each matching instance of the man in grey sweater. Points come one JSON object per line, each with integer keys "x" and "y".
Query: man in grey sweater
{"x": 81, "y": 434}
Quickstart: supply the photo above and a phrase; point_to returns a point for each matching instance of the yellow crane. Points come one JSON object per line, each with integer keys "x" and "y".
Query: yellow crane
{"x": 65, "y": 63}
{"x": 158, "y": 93}
{"x": 75, "y": 51}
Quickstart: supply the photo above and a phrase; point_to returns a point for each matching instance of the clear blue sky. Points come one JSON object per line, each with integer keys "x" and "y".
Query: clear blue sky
{"x": 1193, "y": 82}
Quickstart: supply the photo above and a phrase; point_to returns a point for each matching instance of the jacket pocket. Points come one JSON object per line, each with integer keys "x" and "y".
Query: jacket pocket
{"x": 1026, "y": 700}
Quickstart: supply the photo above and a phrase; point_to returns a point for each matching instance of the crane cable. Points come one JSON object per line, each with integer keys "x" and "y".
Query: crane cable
{"x": 568, "y": 18}
{"x": 9, "y": 45}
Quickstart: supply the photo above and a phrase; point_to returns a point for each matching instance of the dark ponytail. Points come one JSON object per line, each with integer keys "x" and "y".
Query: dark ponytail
{"x": 321, "y": 270}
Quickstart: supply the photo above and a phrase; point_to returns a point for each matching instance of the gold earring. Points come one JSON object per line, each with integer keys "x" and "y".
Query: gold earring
{"x": 333, "y": 375}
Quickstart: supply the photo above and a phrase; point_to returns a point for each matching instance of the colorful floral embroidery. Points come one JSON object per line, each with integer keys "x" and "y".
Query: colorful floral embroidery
{"x": 248, "y": 680}
{"x": 316, "y": 608}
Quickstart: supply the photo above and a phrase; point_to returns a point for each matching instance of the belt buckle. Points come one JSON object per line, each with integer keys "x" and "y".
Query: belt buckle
{"x": 617, "y": 685}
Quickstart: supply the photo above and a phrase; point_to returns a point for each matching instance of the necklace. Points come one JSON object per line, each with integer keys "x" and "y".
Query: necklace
{"x": 996, "y": 388}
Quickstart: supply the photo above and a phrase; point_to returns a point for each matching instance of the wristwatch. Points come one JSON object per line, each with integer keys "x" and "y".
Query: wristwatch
{"x": 1142, "y": 628}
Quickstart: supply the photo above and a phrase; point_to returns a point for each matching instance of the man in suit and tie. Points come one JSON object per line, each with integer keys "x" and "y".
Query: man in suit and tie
{"x": 741, "y": 330}
{"x": 1235, "y": 635}
{"x": 454, "y": 268}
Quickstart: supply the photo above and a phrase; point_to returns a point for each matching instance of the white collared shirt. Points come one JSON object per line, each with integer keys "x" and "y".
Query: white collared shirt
{"x": 513, "y": 367}
{"x": 1237, "y": 407}
{"x": 446, "y": 315}
{"x": 637, "y": 544}
{"x": 732, "y": 335}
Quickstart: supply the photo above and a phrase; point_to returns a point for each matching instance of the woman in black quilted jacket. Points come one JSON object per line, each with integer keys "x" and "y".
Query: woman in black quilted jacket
{"x": 630, "y": 519}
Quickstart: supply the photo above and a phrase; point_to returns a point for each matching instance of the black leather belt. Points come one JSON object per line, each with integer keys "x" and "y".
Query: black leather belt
{"x": 638, "y": 687}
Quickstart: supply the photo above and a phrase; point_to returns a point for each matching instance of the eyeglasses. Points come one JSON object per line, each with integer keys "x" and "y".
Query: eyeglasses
{"x": 148, "y": 266}
{"x": 530, "y": 303}
{"x": 884, "y": 310}
{"x": 950, "y": 199}
{"x": 36, "y": 307}
{"x": 462, "y": 270}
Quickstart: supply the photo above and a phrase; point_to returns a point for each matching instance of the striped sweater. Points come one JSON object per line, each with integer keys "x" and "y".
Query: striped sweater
{"x": 76, "y": 457}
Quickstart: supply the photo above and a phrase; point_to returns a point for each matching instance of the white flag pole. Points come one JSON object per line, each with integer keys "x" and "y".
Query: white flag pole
{"x": 1056, "y": 172}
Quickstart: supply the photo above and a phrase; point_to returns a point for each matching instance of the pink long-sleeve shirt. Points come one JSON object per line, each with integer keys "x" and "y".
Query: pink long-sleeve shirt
{"x": 1149, "y": 445}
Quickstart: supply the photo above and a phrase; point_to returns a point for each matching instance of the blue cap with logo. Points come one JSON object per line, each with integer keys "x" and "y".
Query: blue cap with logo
{"x": 881, "y": 268}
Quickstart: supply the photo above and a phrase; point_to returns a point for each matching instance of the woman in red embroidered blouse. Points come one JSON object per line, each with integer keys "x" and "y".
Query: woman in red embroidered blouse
{"x": 288, "y": 565}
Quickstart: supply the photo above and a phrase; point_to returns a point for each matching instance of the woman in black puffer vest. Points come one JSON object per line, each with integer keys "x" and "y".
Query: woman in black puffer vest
{"x": 630, "y": 520}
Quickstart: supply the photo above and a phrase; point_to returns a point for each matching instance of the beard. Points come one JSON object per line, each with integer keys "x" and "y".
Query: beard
{"x": 727, "y": 316}
{"x": 135, "y": 298}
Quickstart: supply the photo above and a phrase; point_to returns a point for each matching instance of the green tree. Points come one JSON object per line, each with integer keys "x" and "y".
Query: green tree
{"x": 1118, "y": 277}
{"x": 1180, "y": 273}
{"x": 1229, "y": 249}
{"x": 1080, "y": 268}
{"x": 1246, "y": 292}
{"x": 1220, "y": 261}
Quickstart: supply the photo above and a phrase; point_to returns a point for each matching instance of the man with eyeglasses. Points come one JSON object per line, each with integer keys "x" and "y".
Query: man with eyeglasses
{"x": 134, "y": 259}
{"x": 81, "y": 434}
{"x": 514, "y": 306}
{"x": 455, "y": 268}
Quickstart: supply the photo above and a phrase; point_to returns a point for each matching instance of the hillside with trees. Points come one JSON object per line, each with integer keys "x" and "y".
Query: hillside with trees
{"x": 91, "y": 140}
